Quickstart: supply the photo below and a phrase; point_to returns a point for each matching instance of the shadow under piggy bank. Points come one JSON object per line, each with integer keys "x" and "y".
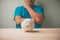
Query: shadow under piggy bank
{"x": 33, "y": 31}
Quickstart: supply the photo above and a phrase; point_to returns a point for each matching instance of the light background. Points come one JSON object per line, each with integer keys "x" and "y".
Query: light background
{"x": 51, "y": 7}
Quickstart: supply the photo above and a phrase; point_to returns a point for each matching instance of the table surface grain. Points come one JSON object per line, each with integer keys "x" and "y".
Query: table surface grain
{"x": 36, "y": 34}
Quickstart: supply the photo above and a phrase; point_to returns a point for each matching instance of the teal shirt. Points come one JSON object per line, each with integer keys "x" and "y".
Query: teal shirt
{"x": 23, "y": 12}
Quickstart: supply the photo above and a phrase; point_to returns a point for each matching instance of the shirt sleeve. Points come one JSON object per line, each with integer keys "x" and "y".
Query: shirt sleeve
{"x": 17, "y": 12}
{"x": 40, "y": 10}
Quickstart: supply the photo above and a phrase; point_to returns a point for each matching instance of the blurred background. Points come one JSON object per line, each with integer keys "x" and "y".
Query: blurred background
{"x": 51, "y": 11}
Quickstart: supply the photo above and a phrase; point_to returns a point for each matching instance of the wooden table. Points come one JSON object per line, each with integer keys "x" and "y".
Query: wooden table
{"x": 37, "y": 34}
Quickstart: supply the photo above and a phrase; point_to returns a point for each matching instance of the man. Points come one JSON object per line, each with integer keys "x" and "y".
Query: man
{"x": 29, "y": 10}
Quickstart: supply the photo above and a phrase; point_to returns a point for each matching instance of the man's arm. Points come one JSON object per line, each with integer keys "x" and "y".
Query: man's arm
{"x": 17, "y": 15}
{"x": 18, "y": 19}
{"x": 38, "y": 18}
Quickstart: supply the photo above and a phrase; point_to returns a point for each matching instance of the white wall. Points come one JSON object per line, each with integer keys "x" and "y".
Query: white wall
{"x": 0, "y": 13}
{"x": 7, "y": 7}
{"x": 51, "y": 7}
{"x": 52, "y": 12}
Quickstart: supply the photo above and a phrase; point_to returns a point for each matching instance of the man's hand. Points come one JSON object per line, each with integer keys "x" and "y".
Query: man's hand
{"x": 27, "y": 4}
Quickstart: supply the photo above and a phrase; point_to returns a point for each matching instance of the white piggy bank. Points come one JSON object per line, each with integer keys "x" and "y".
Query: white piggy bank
{"x": 27, "y": 24}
